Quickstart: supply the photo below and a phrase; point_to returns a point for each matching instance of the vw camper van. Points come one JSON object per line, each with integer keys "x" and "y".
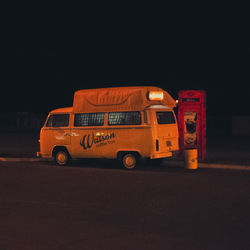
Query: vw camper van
{"x": 124, "y": 123}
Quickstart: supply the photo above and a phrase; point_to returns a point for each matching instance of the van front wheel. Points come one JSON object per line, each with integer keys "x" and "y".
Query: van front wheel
{"x": 62, "y": 158}
{"x": 129, "y": 161}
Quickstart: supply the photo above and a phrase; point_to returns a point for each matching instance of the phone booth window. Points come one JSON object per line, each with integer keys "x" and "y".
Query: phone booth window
{"x": 190, "y": 129}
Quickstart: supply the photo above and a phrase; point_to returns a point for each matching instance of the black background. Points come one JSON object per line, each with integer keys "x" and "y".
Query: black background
{"x": 48, "y": 52}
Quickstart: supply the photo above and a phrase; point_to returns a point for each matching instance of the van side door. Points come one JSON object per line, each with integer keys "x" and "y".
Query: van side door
{"x": 61, "y": 129}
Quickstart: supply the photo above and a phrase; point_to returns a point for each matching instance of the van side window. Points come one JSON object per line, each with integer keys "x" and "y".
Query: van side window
{"x": 89, "y": 119}
{"x": 124, "y": 118}
{"x": 58, "y": 120}
{"x": 165, "y": 117}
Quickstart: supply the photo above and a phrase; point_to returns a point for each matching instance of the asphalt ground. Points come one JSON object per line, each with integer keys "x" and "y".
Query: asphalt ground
{"x": 96, "y": 205}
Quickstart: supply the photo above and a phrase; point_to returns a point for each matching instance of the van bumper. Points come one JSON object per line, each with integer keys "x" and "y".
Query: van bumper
{"x": 39, "y": 155}
{"x": 161, "y": 155}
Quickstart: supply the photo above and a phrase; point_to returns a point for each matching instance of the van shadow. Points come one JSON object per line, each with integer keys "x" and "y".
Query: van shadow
{"x": 111, "y": 164}
{"x": 96, "y": 163}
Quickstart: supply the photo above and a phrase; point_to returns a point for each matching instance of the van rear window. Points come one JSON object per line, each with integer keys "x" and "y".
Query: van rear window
{"x": 165, "y": 117}
{"x": 124, "y": 118}
{"x": 89, "y": 119}
{"x": 58, "y": 120}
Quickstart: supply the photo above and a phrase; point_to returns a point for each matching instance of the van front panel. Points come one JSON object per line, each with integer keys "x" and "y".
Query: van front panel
{"x": 56, "y": 132}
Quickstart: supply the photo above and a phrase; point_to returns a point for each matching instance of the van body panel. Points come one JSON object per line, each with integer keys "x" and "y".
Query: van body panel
{"x": 107, "y": 142}
{"x": 164, "y": 135}
{"x": 46, "y": 143}
{"x": 50, "y": 138}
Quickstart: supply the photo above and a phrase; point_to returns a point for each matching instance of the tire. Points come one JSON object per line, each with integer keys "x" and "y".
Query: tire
{"x": 129, "y": 160}
{"x": 62, "y": 157}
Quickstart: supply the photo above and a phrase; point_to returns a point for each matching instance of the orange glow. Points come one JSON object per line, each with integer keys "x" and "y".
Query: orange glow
{"x": 156, "y": 96}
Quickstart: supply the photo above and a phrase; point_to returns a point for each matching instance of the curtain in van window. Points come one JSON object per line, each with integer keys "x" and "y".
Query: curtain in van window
{"x": 89, "y": 119}
{"x": 124, "y": 118}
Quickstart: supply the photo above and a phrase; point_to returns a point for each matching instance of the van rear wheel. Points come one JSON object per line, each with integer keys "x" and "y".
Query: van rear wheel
{"x": 129, "y": 160}
{"x": 62, "y": 157}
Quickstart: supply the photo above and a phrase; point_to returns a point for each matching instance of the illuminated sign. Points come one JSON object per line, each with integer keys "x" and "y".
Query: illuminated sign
{"x": 190, "y": 99}
{"x": 155, "y": 95}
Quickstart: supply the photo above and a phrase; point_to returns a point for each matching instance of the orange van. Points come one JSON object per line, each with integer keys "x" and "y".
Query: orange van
{"x": 124, "y": 123}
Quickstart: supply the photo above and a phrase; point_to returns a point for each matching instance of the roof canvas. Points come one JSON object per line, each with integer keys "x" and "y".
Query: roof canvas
{"x": 115, "y": 99}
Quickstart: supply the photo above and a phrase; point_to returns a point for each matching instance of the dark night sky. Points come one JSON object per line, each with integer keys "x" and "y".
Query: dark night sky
{"x": 46, "y": 56}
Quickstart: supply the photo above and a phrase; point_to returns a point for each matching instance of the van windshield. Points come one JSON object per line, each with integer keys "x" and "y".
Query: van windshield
{"x": 166, "y": 117}
{"x": 58, "y": 120}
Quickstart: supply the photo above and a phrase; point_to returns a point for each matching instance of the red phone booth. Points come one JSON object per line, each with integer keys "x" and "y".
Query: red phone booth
{"x": 192, "y": 121}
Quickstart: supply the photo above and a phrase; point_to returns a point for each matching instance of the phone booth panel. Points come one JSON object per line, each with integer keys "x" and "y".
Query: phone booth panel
{"x": 192, "y": 121}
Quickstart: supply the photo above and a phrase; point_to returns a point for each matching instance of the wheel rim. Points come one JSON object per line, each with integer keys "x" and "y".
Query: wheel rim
{"x": 61, "y": 158}
{"x": 129, "y": 161}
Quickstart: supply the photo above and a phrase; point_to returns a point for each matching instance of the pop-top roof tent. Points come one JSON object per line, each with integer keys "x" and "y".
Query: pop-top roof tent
{"x": 120, "y": 99}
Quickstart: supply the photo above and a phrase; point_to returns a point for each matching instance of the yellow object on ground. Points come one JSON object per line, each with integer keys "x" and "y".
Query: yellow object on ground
{"x": 191, "y": 161}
